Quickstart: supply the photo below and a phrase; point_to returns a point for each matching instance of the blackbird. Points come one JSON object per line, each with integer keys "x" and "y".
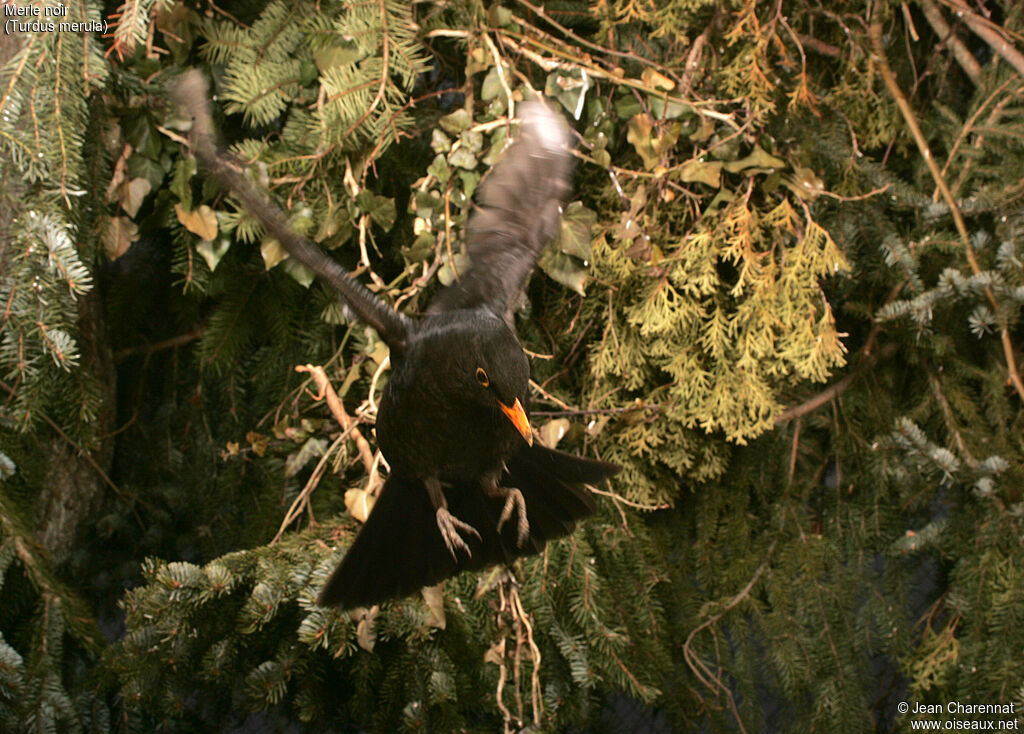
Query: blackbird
{"x": 467, "y": 487}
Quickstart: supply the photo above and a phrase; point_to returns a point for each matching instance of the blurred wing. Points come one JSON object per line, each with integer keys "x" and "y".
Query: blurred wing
{"x": 192, "y": 97}
{"x": 518, "y": 212}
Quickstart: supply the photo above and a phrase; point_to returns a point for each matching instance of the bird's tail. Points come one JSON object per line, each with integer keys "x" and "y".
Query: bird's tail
{"x": 399, "y": 549}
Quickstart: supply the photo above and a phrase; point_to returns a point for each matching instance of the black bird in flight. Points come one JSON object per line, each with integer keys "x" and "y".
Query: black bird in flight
{"x": 452, "y": 420}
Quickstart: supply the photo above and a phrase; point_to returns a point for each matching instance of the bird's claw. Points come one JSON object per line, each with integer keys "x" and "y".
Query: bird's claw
{"x": 449, "y": 525}
{"x": 514, "y": 502}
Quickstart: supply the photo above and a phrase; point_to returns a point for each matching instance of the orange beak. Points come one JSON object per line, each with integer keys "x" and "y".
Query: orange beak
{"x": 517, "y": 415}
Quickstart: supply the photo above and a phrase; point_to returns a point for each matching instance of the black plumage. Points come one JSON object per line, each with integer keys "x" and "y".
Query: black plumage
{"x": 468, "y": 487}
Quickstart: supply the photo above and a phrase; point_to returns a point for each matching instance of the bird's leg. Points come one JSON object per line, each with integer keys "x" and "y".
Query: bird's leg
{"x": 448, "y": 524}
{"x": 514, "y": 502}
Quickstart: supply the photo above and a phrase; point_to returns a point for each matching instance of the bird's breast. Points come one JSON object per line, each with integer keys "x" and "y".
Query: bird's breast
{"x": 423, "y": 435}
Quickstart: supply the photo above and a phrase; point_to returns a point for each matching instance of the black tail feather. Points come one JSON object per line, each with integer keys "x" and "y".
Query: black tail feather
{"x": 399, "y": 549}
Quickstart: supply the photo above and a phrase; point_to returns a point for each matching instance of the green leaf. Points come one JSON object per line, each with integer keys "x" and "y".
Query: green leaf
{"x": 440, "y": 142}
{"x": 456, "y": 122}
{"x": 298, "y": 272}
{"x": 652, "y": 140}
{"x": 574, "y": 236}
{"x": 462, "y": 158}
{"x": 492, "y": 87}
{"x": 668, "y": 109}
{"x": 440, "y": 169}
{"x": 213, "y": 251}
{"x": 758, "y": 158}
{"x": 446, "y": 275}
{"x": 469, "y": 179}
{"x": 347, "y": 52}
{"x": 420, "y": 248}
{"x": 705, "y": 172}
{"x": 426, "y": 204}
{"x": 181, "y": 180}
{"x": 564, "y": 269}
{"x": 272, "y": 251}
{"x": 570, "y": 88}
{"x": 380, "y": 208}
{"x": 142, "y": 167}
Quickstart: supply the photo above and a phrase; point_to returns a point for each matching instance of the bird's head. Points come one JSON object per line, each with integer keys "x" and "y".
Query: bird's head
{"x": 497, "y": 374}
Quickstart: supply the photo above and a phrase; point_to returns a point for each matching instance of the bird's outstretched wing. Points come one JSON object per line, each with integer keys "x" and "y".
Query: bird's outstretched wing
{"x": 192, "y": 97}
{"x": 399, "y": 550}
{"x": 518, "y": 212}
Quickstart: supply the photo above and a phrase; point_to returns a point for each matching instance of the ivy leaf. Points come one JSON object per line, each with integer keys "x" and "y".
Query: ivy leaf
{"x": 181, "y": 180}
{"x": 133, "y": 194}
{"x": 668, "y": 109}
{"x": 656, "y": 80}
{"x": 440, "y": 142}
{"x": 638, "y": 132}
{"x": 805, "y": 183}
{"x": 141, "y": 167}
{"x": 574, "y": 237}
{"x": 366, "y": 629}
{"x": 434, "y": 598}
{"x": 492, "y": 87}
{"x": 118, "y": 236}
{"x": 272, "y": 252}
{"x": 705, "y": 172}
{"x": 299, "y": 272}
{"x": 440, "y": 169}
{"x": 426, "y": 203}
{"x": 758, "y": 158}
{"x": 553, "y": 431}
{"x": 456, "y": 122}
{"x": 335, "y": 227}
{"x": 462, "y": 157}
{"x": 313, "y": 448}
{"x": 420, "y": 248}
{"x": 201, "y": 222}
{"x": 570, "y": 88}
{"x": 359, "y": 502}
{"x": 564, "y": 269}
{"x": 650, "y": 145}
{"x": 469, "y": 180}
{"x": 213, "y": 251}
{"x": 346, "y": 52}
{"x": 144, "y": 139}
{"x": 380, "y": 208}
{"x": 446, "y": 275}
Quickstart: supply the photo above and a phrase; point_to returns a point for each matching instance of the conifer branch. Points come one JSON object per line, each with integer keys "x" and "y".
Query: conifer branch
{"x": 875, "y": 34}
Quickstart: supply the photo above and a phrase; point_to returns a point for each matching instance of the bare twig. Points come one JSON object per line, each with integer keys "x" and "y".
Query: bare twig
{"x": 945, "y": 33}
{"x": 990, "y": 33}
{"x": 700, "y": 669}
{"x": 326, "y": 391}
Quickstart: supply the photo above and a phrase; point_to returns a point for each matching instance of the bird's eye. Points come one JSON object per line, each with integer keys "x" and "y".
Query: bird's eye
{"x": 481, "y": 377}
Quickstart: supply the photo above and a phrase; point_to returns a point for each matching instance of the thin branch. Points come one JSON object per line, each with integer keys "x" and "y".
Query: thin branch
{"x": 704, "y": 674}
{"x": 990, "y": 34}
{"x": 326, "y": 391}
{"x": 875, "y": 34}
{"x": 174, "y": 341}
{"x": 943, "y": 30}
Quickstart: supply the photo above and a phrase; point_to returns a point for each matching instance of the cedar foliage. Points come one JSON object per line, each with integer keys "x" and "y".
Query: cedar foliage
{"x": 787, "y": 300}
